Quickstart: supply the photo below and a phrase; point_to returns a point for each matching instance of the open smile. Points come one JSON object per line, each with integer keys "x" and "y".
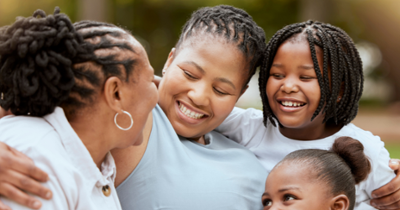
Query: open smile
{"x": 290, "y": 105}
{"x": 189, "y": 113}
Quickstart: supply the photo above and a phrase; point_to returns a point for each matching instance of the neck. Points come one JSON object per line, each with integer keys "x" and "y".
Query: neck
{"x": 200, "y": 140}
{"x": 311, "y": 132}
{"x": 93, "y": 133}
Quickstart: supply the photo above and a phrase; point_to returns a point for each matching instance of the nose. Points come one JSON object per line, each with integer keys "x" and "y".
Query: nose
{"x": 289, "y": 85}
{"x": 199, "y": 94}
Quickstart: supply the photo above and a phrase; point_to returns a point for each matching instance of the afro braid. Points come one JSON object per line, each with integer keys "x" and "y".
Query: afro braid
{"x": 235, "y": 25}
{"x": 35, "y": 64}
{"x": 45, "y": 61}
{"x": 339, "y": 54}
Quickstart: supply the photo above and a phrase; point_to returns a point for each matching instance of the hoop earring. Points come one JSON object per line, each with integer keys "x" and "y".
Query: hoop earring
{"x": 124, "y": 129}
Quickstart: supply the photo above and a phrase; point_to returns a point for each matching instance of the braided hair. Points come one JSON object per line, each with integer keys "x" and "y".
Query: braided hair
{"x": 341, "y": 63}
{"x": 234, "y": 24}
{"x": 46, "y": 61}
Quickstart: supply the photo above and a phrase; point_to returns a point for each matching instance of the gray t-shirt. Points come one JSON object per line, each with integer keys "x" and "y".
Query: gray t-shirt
{"x": 177, "y": 173}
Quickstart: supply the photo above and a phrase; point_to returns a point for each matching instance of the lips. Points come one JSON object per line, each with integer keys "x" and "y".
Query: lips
{"x": 291, "y": 103}
{"x": 190, "y": 114}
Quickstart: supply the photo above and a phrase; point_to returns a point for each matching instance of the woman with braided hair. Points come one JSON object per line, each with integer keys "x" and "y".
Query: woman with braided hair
{"x": 310, "y": 81}
{"x": 199, "y": 169}
{"x": 74, "y": 97}
{"x": 205, "y": 74}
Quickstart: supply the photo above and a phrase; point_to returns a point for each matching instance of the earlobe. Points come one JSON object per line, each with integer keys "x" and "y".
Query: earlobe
{"x": 340, "y": 202}
{"x": 169, "y": 60}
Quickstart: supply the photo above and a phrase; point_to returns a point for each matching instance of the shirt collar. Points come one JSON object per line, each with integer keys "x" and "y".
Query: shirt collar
{"x": 78, "y": 153}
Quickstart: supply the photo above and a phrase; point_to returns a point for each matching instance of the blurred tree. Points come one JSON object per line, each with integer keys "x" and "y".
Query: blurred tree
{"x": 93, "y": 10}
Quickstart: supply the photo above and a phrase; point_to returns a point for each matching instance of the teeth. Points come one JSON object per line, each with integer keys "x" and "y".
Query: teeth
{"x": 189, "y": 113}
{"x": 292, "y": 104}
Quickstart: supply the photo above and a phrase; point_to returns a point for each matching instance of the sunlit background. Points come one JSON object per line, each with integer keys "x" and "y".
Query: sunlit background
{"x": 374, "y": 26}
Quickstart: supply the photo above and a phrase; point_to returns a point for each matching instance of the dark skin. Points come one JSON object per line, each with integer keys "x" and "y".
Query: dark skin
{"x": 29, "y": 177}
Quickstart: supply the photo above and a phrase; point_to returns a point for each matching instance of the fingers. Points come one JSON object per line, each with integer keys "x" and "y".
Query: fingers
{"x": 3, "y": 206}
{"x": 17, "y": 161}
{"x": 27, "y": 184}
{"x": 388, "y": 196}
{"x": 394, "y": 164}
{"x": 18, "y": 196}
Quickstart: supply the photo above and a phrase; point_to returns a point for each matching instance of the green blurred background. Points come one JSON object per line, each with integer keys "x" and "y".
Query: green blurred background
{"x": 374, "y": 26}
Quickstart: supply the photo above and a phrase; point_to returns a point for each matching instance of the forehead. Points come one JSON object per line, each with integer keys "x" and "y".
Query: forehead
{"x": 286, "y": 170}
{"x": 215, "y": 55}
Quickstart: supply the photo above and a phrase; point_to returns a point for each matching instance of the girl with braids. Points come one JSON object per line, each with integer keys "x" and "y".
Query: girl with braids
{"x": 218, "y": 51}
{"x": 74, "y": 96}
{"x": 310, "y": 81}
{"x": 324, "y": 179}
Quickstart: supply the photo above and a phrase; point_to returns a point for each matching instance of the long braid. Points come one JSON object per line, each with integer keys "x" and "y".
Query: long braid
{"x": 235, "y": 25}
{"x": 341, "y": 76}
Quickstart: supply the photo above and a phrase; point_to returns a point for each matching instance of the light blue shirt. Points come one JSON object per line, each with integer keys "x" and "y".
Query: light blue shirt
{"x": 177, "y": 173}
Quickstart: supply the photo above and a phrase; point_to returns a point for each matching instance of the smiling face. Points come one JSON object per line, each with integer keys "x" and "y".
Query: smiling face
{"x": 292, "y": 88}
{"x": 201, "y": 85}
{"x": 292, "y": 186}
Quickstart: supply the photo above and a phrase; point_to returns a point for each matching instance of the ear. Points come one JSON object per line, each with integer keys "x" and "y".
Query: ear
{"x": 340, "y": 202}
{"x": 112, "y": 94}
{"x": 169, "y": 60}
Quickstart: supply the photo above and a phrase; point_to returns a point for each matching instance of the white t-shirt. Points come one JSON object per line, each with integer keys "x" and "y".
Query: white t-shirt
{"x": 270, "y": 146}
{"x": 53, "y": 145}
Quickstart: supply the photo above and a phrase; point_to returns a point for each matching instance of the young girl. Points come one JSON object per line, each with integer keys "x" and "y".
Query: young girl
{"x": 324, "y": 179}
{"x": 310, "y": 83}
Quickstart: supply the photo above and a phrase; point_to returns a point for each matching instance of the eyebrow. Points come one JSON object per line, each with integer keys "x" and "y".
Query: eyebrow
{"x": 289, "y": 188}
{"x": 195, "y": 65}
{"x": 224, "y": 80}
{"x": 305, "y": 67}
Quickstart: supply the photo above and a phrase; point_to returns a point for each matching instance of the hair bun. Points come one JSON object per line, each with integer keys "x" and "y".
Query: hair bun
{"x": 35, "y": 63}
{"x": 352, "y": 152}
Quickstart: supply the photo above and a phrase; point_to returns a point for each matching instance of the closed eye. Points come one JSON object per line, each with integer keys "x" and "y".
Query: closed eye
{"x": 187, "y": 74}
{"x": 220, "y": 92}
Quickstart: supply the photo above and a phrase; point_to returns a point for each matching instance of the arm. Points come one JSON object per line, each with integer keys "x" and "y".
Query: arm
{"x": 243, "y": 126}
{"x": 388, "y": 196}
{"x": 380, "y": 175}
{"x": 19, "y": 174}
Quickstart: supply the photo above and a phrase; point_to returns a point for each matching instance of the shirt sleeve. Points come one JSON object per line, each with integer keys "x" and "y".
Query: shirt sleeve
{"x": 243, "y": 125}
{"x": 380, "y": 174}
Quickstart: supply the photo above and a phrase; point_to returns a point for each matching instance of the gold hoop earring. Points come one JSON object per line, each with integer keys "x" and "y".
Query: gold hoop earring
{"x": 130, "y": 116}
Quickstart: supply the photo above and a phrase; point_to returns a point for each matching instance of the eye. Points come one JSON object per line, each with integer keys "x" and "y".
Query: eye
{"x": 267, "y": 202}
{"x": 289, "y": 197}
{"x": 220, "y": 92}
{"x": 277, "y": 76}
{"x": 306, "y": 77}
{"x": 187, "y": 74}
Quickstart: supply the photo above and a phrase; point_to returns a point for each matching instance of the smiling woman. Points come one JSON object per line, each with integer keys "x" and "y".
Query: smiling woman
{"x": 197, "y": 81}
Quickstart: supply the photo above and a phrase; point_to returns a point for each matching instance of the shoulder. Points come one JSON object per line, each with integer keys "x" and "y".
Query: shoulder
{"x": 23, "y": 132}
{"x": 370, "y": 142}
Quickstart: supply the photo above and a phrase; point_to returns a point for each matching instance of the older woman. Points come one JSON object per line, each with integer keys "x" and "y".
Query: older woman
{"x": 199, "y": 169}
{"x": 76, "y": 92}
